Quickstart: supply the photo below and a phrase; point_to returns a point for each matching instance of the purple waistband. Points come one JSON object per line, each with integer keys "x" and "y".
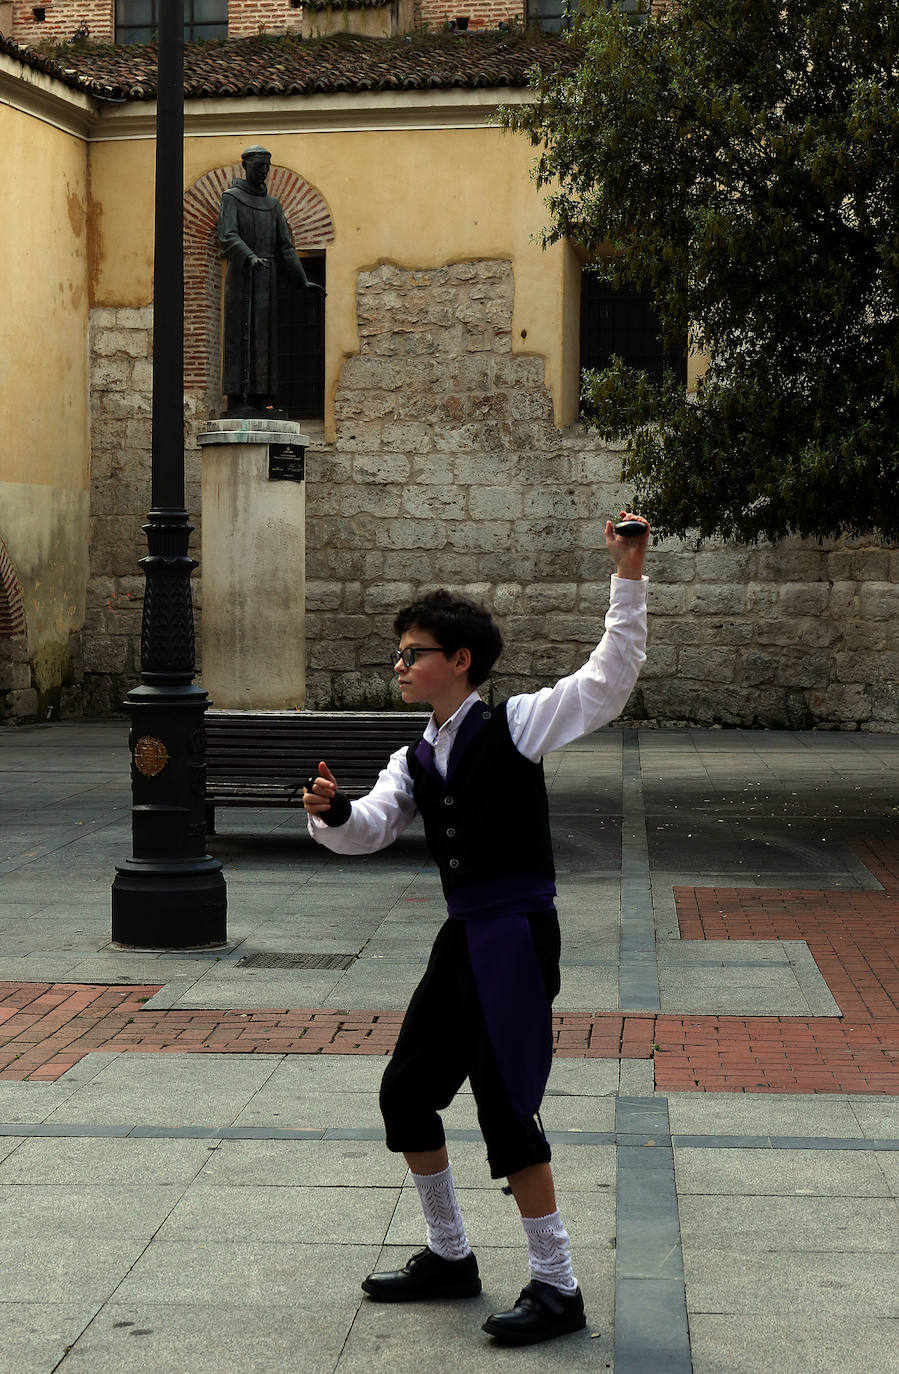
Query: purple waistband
{"x": 515, "y": 894}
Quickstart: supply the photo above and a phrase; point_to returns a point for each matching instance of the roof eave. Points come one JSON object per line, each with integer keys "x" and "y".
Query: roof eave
{"x": 343, "y": 111}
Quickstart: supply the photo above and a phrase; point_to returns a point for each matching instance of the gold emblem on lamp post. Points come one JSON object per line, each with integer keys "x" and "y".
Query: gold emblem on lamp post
{"x": 150, "y": 756}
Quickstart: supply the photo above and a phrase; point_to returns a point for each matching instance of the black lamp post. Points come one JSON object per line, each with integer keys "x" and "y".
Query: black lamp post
{"x": 170, "y": 894}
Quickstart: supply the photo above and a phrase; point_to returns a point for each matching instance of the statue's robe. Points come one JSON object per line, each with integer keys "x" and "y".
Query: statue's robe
{"x": 252, "y": 224}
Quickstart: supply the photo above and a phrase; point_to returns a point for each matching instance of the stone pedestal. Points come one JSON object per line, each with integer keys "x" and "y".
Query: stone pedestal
{"x": 254, "y": 547}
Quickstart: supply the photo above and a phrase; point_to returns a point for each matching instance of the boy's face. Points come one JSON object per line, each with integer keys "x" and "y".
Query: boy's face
{"x": 434, "y": 676}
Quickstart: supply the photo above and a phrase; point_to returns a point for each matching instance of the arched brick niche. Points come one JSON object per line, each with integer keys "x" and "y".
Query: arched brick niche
{"x": 310, "y": 223}
{"x": 12, "y": 603}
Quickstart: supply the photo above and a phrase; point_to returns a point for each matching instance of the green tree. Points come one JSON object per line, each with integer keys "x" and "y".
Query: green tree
{"x": 738, "y": 159}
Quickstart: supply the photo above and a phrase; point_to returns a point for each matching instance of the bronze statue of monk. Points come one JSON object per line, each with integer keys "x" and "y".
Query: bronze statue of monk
{"x": 255, "y": 238}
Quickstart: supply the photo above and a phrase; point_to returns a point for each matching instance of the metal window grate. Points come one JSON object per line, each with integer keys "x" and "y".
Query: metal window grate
{"x": 338, "y": 961}
{"x": 301, "y": 344}
{"x": 623, "y": 322}
{"x": 137, "y": 21}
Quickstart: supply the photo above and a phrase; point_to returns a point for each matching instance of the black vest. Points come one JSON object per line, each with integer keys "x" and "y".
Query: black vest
{"x": 490, "y": 819}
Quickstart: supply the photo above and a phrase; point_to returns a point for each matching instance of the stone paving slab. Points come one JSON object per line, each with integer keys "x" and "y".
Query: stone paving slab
{"x": 36, "y": 1335}
{"x": 226, "y": 1274}
{"x": 768, "y": 1114}
{"x": 148, "y": 1089}
{"x": 175, "y": 1337}
{"x": 741, "y": 1280}
{"x": 785, "y": 1225}
{"x": 102, "y": 1163}
{"x": 785, "y": 1173}
{"x": 774, "y": 1343}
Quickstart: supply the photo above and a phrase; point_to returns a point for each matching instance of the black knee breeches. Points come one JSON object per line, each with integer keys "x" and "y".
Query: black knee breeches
{"x": 444, "y": 1040}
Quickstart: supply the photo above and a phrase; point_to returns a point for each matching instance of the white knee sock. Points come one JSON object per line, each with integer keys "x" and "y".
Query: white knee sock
{"x": 549, "y": 1251}
{"x": 446, "y": 1231}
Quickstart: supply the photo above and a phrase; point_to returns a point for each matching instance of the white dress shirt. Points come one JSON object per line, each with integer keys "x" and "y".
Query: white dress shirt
{"x": 538, "y": 723}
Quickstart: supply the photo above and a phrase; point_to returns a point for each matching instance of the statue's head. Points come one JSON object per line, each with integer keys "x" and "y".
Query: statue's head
{"x": 256, "y": 162}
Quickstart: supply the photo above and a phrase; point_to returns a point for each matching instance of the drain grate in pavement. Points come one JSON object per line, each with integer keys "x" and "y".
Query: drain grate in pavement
{"x": 296, "y": 961}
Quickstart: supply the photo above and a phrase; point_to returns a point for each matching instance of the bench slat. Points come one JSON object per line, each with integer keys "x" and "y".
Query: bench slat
{"x": 263, "y": 758}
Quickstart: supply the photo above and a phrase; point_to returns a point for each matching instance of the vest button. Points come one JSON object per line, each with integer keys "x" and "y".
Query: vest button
{"x": 487, "y": 715}
{"x": 451, "y": 834}
{"x": 454, "y": 863}
{"x": 448, "y": 801}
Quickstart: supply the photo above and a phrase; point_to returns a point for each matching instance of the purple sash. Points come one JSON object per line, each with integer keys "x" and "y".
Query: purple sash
{"x": 509, "y": 982}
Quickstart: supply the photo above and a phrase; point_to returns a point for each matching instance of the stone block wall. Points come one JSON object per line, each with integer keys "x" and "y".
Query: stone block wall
{"x": 121, "y": 407}
{"x": 18, "y": 697}
{"x": 448, "y": 470}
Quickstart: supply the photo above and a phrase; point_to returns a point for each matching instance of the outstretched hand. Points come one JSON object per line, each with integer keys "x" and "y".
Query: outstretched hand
{"x": 319, "y": 796}
{"x": 628, "y": 553}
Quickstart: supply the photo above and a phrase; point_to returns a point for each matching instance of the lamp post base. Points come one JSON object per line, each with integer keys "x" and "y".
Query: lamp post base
{"x": 166, "y": 905}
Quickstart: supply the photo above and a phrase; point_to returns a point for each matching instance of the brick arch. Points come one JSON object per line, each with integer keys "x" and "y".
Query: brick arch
{"x": 12, "y": 602}
{"x": 310, "y": 224}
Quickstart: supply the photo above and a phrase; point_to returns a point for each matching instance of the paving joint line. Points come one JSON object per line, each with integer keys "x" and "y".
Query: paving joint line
{"x": 651, "y": 1326}
{"x": 632, "y": 1139}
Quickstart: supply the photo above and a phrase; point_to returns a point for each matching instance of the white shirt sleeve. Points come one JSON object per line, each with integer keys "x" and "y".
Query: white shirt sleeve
{"x": 542, "y": 721}
{"x": 377, "y": 818}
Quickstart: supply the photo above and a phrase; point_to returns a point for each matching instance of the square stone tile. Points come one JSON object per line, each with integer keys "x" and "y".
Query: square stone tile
{"x": 784, "y": 1173}
{"x": 794, "y": 1225}
{"x": 256, "y": 1214}
{"x": 168, "y": 1090}
{"x": 171, "y": 1338}
{"x": 738, "y": 1280}
{"x": 229, "y": 1274}
{"x": 104, "y": 1162}
{"x": 775, "y": 1343}
{"x": 34, "y": 1336}
{"x": 304, "y": 1163}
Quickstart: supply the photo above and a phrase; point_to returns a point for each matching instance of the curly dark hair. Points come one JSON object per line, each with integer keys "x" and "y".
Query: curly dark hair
{"x": 456, "y": 623}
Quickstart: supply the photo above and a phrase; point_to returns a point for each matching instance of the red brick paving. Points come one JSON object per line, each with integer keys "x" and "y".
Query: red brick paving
{"x": 854, "y": 939}
{"x": 46, "y": 1028}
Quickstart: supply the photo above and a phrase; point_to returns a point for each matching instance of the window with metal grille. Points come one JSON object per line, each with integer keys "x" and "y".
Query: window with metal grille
{"x": 555, "y": 15}
{"x": 301, "y": 344}
{"x": 623, "y": 323}
{"x": 136, "y": 21}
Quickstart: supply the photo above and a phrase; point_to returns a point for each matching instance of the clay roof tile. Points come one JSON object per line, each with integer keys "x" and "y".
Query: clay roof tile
{"x": 273, "y": 65}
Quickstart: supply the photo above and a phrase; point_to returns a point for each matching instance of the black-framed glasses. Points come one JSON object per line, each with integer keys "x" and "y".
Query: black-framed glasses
{"x": 411, "y": 654}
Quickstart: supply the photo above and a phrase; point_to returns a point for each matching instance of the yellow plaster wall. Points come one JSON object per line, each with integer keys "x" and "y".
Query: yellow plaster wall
{"x": 416, "y": 198}
{"x": 45, "y": 453}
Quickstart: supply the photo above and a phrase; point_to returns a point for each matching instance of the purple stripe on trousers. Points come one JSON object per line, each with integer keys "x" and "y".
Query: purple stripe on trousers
{"x": 509, "y": 983}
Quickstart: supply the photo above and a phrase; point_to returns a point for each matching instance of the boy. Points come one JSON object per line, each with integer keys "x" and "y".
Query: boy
{"x": 482, "y": 1009}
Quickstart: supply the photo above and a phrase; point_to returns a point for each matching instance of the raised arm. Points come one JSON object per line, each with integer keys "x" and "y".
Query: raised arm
{"x": 597, "y": 692}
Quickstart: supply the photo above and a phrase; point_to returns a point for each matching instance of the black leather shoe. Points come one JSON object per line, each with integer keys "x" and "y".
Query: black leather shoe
{"x": 426, "y": 1275}
{"x": 540, "y": 1313}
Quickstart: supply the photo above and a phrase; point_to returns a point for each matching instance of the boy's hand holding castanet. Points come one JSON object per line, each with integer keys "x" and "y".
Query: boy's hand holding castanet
{"x": 319, "y": 791}
{"x": 628, "y": 550}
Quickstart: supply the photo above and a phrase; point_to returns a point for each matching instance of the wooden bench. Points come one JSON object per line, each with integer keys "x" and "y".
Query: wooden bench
{"x": 263, "y": 758}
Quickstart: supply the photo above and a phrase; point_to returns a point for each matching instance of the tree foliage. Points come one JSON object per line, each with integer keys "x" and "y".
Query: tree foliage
{"x": 738, "y": 159}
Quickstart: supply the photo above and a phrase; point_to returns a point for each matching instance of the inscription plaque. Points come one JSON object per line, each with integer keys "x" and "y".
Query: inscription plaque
{"x": 286, "y": 463}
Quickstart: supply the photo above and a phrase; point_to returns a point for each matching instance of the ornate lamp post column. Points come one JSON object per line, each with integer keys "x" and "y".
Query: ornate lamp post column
{"x": 170, "y": 893}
